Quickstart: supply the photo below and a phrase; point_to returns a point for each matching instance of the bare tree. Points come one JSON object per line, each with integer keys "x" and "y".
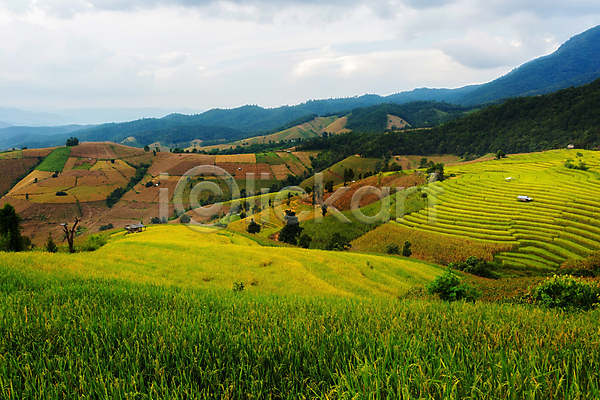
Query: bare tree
{"x": 70, "y": 233}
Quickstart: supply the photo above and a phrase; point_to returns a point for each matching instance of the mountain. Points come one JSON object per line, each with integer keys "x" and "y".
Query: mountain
{"x": 523, "y": 124}
{"x": 575, "y": 63}
{"x": 3, "y": 124}
{"x": 15, "y": 116}
{"x": 103, "y": 115}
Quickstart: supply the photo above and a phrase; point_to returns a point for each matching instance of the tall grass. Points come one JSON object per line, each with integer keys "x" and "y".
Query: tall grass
{"x": 66, "y": 337}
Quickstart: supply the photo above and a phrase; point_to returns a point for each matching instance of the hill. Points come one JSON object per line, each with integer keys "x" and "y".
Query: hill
{"x": 479, "y": 206}
{"x": 526, "y": 124}
{"x": 574, "y": 63}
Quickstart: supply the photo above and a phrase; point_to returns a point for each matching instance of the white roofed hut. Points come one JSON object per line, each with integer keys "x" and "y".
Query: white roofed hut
{"x": 135, "y": 228}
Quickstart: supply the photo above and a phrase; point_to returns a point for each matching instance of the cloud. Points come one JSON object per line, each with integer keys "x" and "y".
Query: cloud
{"x": 480, "y": 50}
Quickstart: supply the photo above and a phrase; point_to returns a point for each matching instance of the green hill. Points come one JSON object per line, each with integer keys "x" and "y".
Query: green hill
{"x": 575, "y": 63}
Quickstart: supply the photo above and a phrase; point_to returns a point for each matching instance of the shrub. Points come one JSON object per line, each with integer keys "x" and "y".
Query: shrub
{"x": 149, "y": 184}
{"x": 185, "y": 219}
{"x": 304, "y": 240}
{"x": 253, "y": 227}
{"x": 406, "y": 251}
{"x": 567, "y": 293}
{"x": 51, "y": 247}
{"x": 106, "y": 227}
{"x": 94, "y": 242}
{"x": 392, "y": 248}
{"x": 338, "y": 242}
{"x": 61, "y": 193}
{"x": 474, "y": 266}
{"x": 450, "y": 287}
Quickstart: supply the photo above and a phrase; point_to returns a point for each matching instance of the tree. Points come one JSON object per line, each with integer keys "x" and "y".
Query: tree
{"x": 437, "y": 169}
{"x": 406, "y": 251}
{"x": 253, "y": 227}
{"x": 185, "y": 219}
{"x": 70, "y": 233}
{"x": 10, "y": 229}
{"x": 51, "y": 247}
{"x": 423, "y": 163}
{"x": 304, "y": 240}
{"x": 291, "y": 230}
{"x": 337, "y": 242}
{"x": 72, "y": 141}
{"x": 329, "y": 186}
{"x": 146, "y": 148}
{"x": 500, "y": 154}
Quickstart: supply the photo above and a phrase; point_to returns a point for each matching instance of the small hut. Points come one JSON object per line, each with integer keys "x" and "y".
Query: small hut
{"x": 134, "y": 228}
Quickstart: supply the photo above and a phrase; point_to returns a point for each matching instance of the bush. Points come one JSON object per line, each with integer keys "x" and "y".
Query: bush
{"x": 450, "y": 287}
{"x": 106, "y": 227}
{"x": 149, "y": 184}
{"x": 61, "y": 193}
{"x": 304, "y": 240}
{"x": 94, "y": 242}
{"x": 392, "y": 248}
{"x": 338, "y": 242}
{"x": 185, "y": 219}
{"x": 567, "y": 293}
{"x": 51, "y": 247}
{"x": 475, "y": 266}
{"x": 406, "y": 251}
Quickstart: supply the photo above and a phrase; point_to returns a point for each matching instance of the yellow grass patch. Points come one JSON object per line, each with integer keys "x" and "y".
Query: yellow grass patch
{"x": 236, "y": 158}
{"x": 394, "y": 122}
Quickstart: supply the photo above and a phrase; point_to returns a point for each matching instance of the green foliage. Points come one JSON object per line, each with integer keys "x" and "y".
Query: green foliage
{"x": 450, "y": 287}
{"x": 474, "y": 266}
{"x": 72, "y": 141}
{"x": 500, "y": 154}
{"x": 156, "y": 220}
{"x": 55, "y": 161}
{"x": 304, "y": 241}
{"x": 106, "y": 227}
{"x": 581, "y": 166}
{"x": 149, "y": 184}
{"x": 61, "y": 193}
{"x": 51, "y": 247}
{"x": 406, "y": 251}
{"x": 392, "y": 248}
{"x": 10, "y": 229}
{"x": 185, "y": 219}
{"x": 93, "y": 243}
{"x": 328, "y": 186}
{"x": 253, "y": 227}
{"x": 238, "y": 287}
{"x": 338, "y": 242}
{"x": 567, "y": 292}
{"x": 289, "y": 234}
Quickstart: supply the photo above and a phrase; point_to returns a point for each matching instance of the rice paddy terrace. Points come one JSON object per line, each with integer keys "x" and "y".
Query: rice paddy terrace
{"x": 480, "y": 202}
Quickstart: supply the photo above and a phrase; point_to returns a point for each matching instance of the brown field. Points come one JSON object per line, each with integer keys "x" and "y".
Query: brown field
{"x": 236, "y": 158}
{"x": 303, "y": 156}
{"x": 34, "y": 153}
{"x": 280, "y": 171}
{"x": 92, "y": 193}
{"x": 178, "y": 164}
{"x": 398, "y": 122}
{"x": 391, "y": 181}
{"x": 93, "y": 150}
{"x": 69, "y": 164}
{"x": 90, "y": 161}
{"x": 28, "y": 180}
{"x": 239, "y": 171}
{"x": 338, "y": 126}
{"x": 63, "y": 181}
{"x": 13, "y": 169}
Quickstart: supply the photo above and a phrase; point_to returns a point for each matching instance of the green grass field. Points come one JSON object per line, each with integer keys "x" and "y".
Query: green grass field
{"x": 55, "y": 161}
{"x": 480, "y": 203}
{"x": 153, "y": 315}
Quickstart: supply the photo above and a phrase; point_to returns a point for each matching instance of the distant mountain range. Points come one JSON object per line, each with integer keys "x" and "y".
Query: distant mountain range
{"x": 575, "y": 63}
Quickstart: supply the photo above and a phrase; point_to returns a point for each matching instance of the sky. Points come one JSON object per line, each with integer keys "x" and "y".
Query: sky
{"x": 202, "y": 54}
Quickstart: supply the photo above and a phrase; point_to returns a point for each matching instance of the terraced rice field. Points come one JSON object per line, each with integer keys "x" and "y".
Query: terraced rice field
{"x": 562, "y": 222}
